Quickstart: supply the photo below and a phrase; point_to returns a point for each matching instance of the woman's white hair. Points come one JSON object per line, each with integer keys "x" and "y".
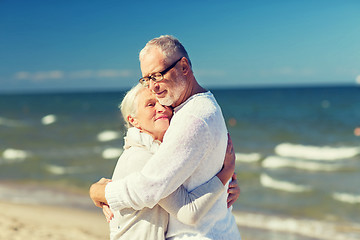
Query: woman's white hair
{"x": 170, "y": 47}
{"x": 129, "y": 104}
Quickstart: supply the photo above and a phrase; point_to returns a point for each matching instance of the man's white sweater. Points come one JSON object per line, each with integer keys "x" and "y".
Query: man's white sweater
{"x": 192, "y": 152}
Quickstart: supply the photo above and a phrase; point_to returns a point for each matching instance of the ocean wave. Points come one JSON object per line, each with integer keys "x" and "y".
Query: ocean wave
{"x": 304, "y": 227}
{"x": 270, "y": 182}
{"x": 37, "y": 194}
{"x": 49, "y": 119}
{"x": 10, "y": 123}
{"x": 70, "y": 152}
{"x": 106, "y": 136}
{"x": 111, "y": 153}
{"x": 346, "y": 197}
{"x": 11, "y": 155}
{"x": 61, "y": 170}
{"x": 316, "y": 153}
{"x": 248, "y": 157}
{"x": 309, "y": 165}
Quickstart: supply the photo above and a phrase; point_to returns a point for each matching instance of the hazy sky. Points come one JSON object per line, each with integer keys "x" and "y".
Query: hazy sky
{"x": 55, "y": 45}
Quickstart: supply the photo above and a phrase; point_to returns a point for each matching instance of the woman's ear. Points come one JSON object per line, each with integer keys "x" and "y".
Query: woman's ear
{"x": 133, "y": 122}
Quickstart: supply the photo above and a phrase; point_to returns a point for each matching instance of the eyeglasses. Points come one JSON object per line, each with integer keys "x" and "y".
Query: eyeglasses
{"x": 157, "y": 77}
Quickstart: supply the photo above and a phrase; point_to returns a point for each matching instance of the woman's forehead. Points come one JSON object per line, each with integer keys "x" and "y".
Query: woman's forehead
{"x": 146, "y": 94}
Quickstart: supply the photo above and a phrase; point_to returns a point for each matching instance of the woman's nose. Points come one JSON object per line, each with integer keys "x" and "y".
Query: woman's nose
{"x": 160, "y": 108}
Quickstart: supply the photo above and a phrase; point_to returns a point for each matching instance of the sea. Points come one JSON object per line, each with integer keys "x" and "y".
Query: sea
{"x": 297, "y": 154}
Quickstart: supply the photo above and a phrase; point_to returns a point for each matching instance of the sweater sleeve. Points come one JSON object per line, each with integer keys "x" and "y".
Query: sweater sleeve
{"x": 185, "y": 145}
{"x": 190, "y": 207}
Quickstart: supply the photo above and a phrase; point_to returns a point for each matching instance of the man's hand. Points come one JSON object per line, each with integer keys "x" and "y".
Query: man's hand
{"x": 97, "y": 192}
{"x": 233, "y": 190}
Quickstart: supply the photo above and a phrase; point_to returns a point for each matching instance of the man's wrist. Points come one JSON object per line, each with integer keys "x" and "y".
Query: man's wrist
{"x": 97, "y": 192}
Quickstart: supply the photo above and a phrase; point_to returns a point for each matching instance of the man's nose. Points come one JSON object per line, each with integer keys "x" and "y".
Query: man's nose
{"x": 153, "y": 85}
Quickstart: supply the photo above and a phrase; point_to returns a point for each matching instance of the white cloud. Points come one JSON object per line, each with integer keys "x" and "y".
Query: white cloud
{"x": 358, "y": 79}
{"x": 110, "y": 73}
{"x": 286, "y": 71}
{"x": 346, "y": 71}
{"x": 39, "y": 76}
{"x": 22, "y": 75}
{"x": 80, "y": 74}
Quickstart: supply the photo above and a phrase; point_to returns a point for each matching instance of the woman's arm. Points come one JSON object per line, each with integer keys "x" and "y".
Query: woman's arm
{"x": 229, "y": 163}
{"x": 190, "y": 207}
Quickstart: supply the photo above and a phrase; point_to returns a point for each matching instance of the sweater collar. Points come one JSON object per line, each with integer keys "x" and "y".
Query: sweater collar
{"x": 136, "y": 138}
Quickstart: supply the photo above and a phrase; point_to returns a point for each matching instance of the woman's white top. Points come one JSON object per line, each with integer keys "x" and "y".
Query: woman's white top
{"x": 152, "y": 223}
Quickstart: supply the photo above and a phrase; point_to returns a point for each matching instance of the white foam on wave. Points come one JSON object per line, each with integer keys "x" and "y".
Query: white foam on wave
{"x": 10, "y": 123}
{"x": 28, "y": 193}
{"x": 48, "y": 119}
{"x": 309, "y": 165}
{"x": 106, "y": 136}
{"x": 304, "y": 227}
{"x": 111, "y": 153}
{"x": 60, "y": 170}
{"x": 346, "y": 197}
{"x": 15, "y": 155}
{"x": 316, "y": 153}
{"x": 248, "y": 157}
{"x": 269, "y": 182}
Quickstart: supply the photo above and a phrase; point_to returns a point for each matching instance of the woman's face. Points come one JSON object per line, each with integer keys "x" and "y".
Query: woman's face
{"x": 152, "y": 117}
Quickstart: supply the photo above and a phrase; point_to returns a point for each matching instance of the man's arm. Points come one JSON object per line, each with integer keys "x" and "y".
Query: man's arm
{"x": 188, "y": 207}
{"x": 97, "y": 192}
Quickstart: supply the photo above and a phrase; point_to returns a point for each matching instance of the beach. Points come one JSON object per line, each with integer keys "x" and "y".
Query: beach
{"x": 40, "y": 222}
{"x": 26, "y": 221}
{"x": 35, "y": 222}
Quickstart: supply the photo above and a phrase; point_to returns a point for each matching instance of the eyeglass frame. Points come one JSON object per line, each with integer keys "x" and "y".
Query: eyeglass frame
{"x": 145, "y": 83}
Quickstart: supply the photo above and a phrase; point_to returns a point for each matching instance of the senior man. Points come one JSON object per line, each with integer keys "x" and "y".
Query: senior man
{"x": 192, "y": 151}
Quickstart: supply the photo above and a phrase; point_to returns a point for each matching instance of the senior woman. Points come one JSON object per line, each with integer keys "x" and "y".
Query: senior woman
{"x": 147, "y": 121}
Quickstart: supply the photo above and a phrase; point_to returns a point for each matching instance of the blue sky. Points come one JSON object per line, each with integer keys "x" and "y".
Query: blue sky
{"x": 85, "y": 45}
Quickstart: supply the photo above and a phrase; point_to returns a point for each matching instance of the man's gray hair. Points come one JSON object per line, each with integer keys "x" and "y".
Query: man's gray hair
{"x": 169, "y": 46}
{"x": 129, "y": 104}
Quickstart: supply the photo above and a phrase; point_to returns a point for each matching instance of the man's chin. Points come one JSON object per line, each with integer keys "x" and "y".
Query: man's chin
{"x": 165, "y": 101}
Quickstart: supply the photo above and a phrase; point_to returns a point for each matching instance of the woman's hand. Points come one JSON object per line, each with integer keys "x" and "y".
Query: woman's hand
{"x": 107, "y": 212}
{"x": 233, "y": 191}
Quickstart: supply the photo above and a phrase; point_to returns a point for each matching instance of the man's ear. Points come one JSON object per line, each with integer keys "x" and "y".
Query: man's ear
{"x": 133, "y": 122}
{"x": 185, "y": 66}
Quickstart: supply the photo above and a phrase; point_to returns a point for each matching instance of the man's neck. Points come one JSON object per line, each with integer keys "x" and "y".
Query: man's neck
{"x": 192, "y": 89}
